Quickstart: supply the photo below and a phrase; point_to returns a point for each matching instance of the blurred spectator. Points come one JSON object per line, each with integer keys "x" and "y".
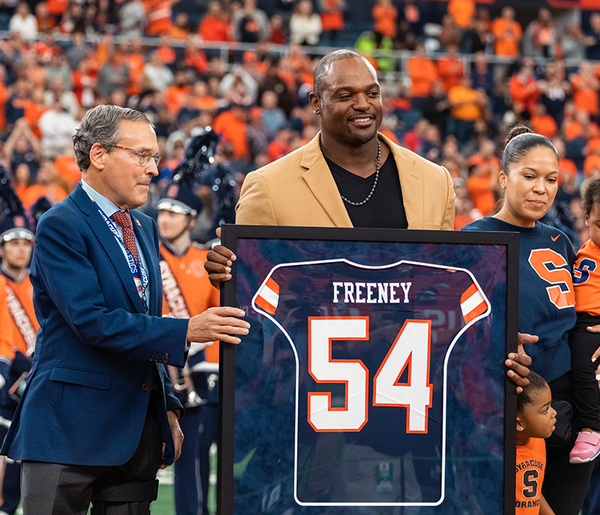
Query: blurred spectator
{"x": 114, "y": 74}
{"x": 178, "y": 91}
{"x": 554, "y": 90}
{"x": 436, "y": 106}
{"x": 566, "y": 167}
{"x": 507, "y": 32}
{"x": 466, "y": 106}
{"x": 585, "y": 89}
{"x": 592, "y": 38}
{"x": 272, "y": 81}
{"x": 542, "y": 36}
{"x": 181, "y": 27}
{"x": 158, "y": 16}
{"x": 24, "y": 22}
{"x": 281, "y": 144}
{"x": 332, "y": 18}
{"x": 68, "y": 100}
{"x": 277, "y": 32}
{"x": 482, "y": 184}
{"x": 573, "y": 42}
{"x": 249, "y": 23}
{"x": 202, "y": 99}
{"x": 47, "y": 185}
{"x": 423, "y": 73}
{"x": 258, "y": 143}
{"x": 73, "y": 19}
{"x": 77, "y": 51}
{"x": 412, "y": 16}
{"x": 157, "y": 75}
{"x": 132, "y": 54}
{"x": 462, "y": 11}
{"x": 45, "y": 22}
{"x": 22, "y": 147}
{"x": 132, "y": 18}
{"x": 482, "y": 76}
{"x": 59, "y": 67}
{"x": 194, "y": 57}
{"x": 167, "y": 53}
{"x": 523, "y": 91}
{"x": 450, "y": 34}
{"x": 17, "y": 102}
{"x": 231, "y": 125}
{"x": 385, "y": 16}
{"x": 21, "y": 179}
{"x": 450, "y": 68}
{"x": 542, "y": 123}
{"x": 57, "y": 126}
{"x": 214, "y": 26}
{"x": 240, "y": 84}
{"x": 273, "y": 116}
{"x": 591, "y": 165}
{"x": 478, "y": 36}
{"x": 305, "y": 25}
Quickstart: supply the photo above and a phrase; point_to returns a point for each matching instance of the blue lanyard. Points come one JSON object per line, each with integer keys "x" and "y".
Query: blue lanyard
{"x": 140, "y": 277}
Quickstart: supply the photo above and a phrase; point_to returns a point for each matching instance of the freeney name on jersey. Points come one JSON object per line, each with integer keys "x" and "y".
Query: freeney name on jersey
{"x": 370, "y": 293}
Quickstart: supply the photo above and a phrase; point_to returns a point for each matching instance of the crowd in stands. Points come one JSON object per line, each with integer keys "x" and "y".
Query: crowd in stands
{"x": 453, "y": 110}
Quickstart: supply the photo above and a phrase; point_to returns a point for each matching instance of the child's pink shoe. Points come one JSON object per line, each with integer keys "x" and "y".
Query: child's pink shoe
{"x": 586, "y": 448}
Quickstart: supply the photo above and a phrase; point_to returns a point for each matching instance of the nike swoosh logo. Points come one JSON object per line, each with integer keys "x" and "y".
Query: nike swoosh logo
{"x": 554, "y": 238}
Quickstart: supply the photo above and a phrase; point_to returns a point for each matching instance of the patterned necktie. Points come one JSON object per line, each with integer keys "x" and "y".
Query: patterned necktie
{"x": 124, "y": 220}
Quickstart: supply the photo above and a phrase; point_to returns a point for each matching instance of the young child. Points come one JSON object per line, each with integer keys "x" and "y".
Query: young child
{"x": 535, "y": 421}
{"x": 586, "y": 279}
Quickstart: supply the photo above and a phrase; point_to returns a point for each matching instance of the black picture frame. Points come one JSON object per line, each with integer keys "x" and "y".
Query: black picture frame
{"x": 496, "y": 254}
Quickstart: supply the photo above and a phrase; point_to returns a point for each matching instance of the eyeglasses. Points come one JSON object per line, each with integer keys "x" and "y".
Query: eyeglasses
{"x": 143, "y": 155}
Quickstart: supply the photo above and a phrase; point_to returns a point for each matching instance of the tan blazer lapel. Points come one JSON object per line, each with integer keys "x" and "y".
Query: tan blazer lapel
{"x": 411, "y": 183}
{"x": 320, "y": 181}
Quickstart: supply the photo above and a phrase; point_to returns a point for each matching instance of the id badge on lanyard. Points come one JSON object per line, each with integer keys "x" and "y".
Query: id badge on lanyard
{"x": 140, "y": 276}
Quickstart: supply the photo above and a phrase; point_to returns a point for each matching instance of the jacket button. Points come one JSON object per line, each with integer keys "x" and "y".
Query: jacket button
{"x": 145, "y": 387}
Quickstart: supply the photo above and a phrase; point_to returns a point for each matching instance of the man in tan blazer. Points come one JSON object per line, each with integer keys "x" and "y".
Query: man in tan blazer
{"x": 304, "y": 189}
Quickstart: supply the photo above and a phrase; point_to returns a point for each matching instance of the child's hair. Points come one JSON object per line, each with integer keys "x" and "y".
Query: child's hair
{"x": 536, "y": 383}
{"x": 591, "y": 196}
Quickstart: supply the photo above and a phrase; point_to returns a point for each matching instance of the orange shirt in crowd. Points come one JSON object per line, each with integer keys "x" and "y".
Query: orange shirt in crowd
{"x": 6, "y": 335}
{"x": 481, "y": 193}
{"x": 135, "y": 63}
{"x": 206, "y": 102}
{"x": 57, "y": 7}
{"x": 591, "y": 163}
{"x": 423, "y": 73}
{"x": 332, "y": 18}
{"x": 158, "y": 16}
{"x": 450, "y": 71}
{"x": 507, "y": 34}
{"x": 574, "y": 129}
{"x": 566, "y": 167}
{"x": 385, "y": 17}
{"x": 175, "y": 96}
{"x": 462, "y": 11}
{"x": 52, "y": 192}
{"x": 21, "y": 296}
{"x": 585, "y": 97}
{"x": 523, "y": 95}
{"x": 465, "y": 103}
{"x": 197, "y": 60}
{"x": 66, "y": 167}
{"x": 177, "y": 32}
{"x": 213, "y": 28}
{"x": 167, "y": 54}
{"x": 277, "y": 149}
{"x": 460, "y": 220}
{"x": 234, "y": 131}
{"x": 544, "y": 125}
{"x": 390, "y": 135}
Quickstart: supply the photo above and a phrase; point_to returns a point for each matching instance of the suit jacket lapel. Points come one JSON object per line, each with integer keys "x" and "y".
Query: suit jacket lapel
{"x": 411, "y": 183}
{"x": 108, "y": 242}
{"x": 322, "y": 184}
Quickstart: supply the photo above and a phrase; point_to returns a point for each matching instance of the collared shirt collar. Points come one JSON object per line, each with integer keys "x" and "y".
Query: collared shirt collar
{"x": 106, "y": 205}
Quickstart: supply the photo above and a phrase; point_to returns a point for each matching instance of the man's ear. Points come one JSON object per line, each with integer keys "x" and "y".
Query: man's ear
{"x": 97, "y": 155}
{"x": 315, "y": 103}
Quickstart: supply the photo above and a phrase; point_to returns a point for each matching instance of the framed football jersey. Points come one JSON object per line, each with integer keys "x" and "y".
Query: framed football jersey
{"x": 372, "y": 380}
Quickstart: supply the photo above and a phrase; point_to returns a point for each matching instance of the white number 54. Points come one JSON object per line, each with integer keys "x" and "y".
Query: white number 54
{"x": 411, "y": 348}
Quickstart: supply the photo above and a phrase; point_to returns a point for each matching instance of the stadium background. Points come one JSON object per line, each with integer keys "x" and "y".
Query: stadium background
{"x": 455, "y": 76}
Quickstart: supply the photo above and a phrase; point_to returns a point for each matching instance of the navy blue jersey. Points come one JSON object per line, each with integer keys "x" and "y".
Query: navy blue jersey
{"x": 546, "y": 293}
{"x": 370, "y": 373}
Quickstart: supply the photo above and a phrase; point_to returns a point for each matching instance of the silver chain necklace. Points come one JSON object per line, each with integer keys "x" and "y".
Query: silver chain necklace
{"x": 378, "y": 164}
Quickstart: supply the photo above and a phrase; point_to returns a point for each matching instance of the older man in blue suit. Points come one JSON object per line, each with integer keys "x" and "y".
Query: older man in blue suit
{"x": 98, "y": 418}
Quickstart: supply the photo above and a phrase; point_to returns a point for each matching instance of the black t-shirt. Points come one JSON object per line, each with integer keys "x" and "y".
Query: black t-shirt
{"x": 385, "y": 209}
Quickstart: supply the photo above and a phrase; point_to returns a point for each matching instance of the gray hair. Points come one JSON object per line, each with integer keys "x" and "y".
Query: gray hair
{"x": 101, "y": 125}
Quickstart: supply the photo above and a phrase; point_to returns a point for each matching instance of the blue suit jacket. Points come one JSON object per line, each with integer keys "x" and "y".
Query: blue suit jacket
{"x": 87, "y": 393}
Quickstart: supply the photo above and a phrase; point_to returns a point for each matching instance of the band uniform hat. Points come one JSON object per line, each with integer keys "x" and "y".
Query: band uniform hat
{"x": 14, "y": 224}
{"x": 179, "y": 197}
